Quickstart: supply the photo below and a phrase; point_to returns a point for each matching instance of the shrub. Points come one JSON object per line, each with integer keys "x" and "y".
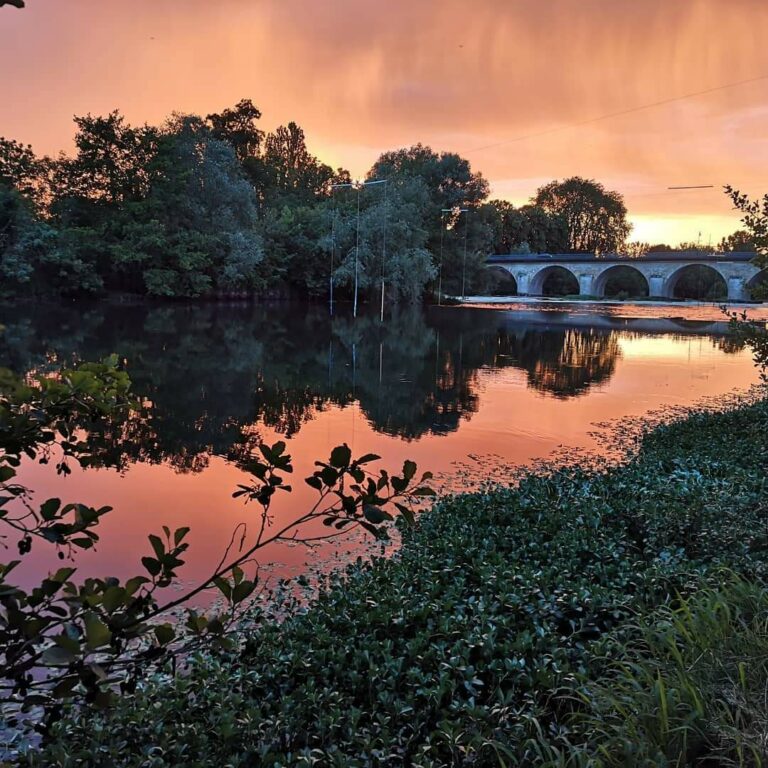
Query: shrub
{"x": 479, "y": 642}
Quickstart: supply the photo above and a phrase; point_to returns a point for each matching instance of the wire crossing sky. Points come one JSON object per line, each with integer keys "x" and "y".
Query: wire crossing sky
{"x": 641, "y": 96}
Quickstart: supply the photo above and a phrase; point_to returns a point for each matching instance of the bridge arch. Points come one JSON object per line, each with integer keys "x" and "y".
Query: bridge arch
{"x": 757, "y": 287}
{"x": 637, "y": 282}
{"x": 502, "y": 281}
{"x": 539, "y": 282}
{"x": 709, "y": 284}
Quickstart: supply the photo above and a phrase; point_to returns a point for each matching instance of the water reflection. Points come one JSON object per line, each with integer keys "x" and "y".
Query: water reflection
{"x": 212, "y": 375}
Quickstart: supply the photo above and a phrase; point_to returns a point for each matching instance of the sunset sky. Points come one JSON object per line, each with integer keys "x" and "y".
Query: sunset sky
{"x": 503, "y": 82}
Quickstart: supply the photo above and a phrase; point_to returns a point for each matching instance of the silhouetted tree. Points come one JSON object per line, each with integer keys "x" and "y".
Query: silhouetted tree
{"x": 596, "y": 218}
{"x": 237, "y": 126}
{"x": 740, "y": 240}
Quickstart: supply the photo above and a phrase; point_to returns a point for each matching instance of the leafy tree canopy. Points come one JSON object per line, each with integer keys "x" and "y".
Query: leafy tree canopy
{"x": 596, "y": 218}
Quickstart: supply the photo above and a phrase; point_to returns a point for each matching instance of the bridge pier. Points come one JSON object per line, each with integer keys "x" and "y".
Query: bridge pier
{"x": 656, "y": 287}
{"x": 737, "y": 289}
{"x": 585, "y": 284}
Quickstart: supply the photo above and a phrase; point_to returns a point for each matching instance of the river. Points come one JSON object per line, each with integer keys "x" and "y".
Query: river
{"x": 465, "y": 392}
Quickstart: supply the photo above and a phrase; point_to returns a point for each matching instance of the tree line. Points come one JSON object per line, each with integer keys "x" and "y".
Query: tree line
{"x": 215, "y": 206}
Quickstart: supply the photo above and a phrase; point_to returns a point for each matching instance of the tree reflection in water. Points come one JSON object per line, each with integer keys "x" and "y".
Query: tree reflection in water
{"x": 572, "y": 361}
{"x": 212, "y": 374}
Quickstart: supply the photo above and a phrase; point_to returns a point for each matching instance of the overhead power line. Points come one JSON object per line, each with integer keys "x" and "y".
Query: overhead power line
{"x": 629, "y": 111}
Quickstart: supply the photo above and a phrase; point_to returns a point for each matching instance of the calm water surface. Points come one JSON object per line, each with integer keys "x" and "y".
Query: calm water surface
{"x": 462, "y": 391}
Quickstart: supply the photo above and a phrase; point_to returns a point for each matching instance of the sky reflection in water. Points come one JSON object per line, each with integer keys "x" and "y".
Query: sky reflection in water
{"x": 463, "y": 392}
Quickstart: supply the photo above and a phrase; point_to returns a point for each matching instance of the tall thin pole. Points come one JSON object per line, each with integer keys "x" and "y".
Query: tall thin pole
{"x": 384, "y": 249}
{"x": 464, "y": 263}
{"x": 440, "y": 268}
{"x": 358, "y": 186}
{"x": 333, "y": 251}
{"x": 357, "y": 252}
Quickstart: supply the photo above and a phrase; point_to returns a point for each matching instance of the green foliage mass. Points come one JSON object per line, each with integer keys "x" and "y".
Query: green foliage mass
{"x": 755, "y": 220}
{"x": 596, "y": 217}
{"x": 217, "y": 207}
{"x": 482, "y": 642}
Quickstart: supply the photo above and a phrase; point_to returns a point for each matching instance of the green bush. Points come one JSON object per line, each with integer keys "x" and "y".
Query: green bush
{"x": 477, "y": 644}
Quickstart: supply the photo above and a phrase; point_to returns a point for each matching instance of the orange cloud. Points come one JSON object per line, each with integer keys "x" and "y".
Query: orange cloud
{"x": 362, "y": 76}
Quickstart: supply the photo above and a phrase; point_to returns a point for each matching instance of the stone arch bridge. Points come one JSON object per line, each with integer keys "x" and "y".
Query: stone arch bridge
{"x": 661, "y": 271}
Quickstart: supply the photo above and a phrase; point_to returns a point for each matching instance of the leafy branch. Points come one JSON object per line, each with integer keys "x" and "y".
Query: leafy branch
{"x": 87, "y": 641}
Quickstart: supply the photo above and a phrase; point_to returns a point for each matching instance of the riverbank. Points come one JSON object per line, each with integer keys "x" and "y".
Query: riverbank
{"x": 515, "y": 627}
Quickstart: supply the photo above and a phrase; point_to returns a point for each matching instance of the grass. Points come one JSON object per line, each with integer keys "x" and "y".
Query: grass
{"x": 684, "y": 686}
{"x": 585, "y": 618}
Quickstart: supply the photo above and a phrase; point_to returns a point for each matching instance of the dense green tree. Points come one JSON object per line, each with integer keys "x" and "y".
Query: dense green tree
{"x": 392, "y": 241}
{"x": 20, "y": 168}
{"x": 596, "y": 218}
{"x": 448, "y": 177}
{"x": 755, "y": 220}
{"x": 164, "y": 211}
{"x": 529, "y": 228}
{"x": 291, "y": 171}
{"x": 659, "y": 248}
{"x": 194, "y": 233}
{"x": 237, "y": 126}
{"x": 695, "y": 247}
{"x": 111, "y": 164}
{"x": 25, "y": 242}
{"x": 292, "y": 242}
{"x": 450, "y": 183}
{"x": 740, "y": 240}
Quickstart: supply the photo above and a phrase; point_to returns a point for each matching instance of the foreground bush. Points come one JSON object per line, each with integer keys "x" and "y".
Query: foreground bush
{"x": 494, "y": 638}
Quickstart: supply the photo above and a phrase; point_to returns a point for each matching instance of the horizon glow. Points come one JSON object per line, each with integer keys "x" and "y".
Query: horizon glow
{"x": 361, "y": 78}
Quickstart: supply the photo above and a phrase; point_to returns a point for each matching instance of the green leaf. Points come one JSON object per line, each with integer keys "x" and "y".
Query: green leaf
{"x": 61, "y": 575}
{"x": 375, "y": 514}
{"x": 56, "y": 656}
{"x": 133, "y": 584}
{"x": 340, "y": 456}
{"x": 157, "y": 545}
{"x": 49, "y": 509}
{"x": 164, "y": 633}
{"x": 407, "y": 514}
{"x": 314, "y": 482}
{"x": 242, "y": 590}
{"x": 153, "y": 566}
{"x": 329, "y": 475}
{"x": 224, "y": 587}
{"x": 97, "y": 633}
{"x": 113, "y": 598}
{"x": 6, "y": 473}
